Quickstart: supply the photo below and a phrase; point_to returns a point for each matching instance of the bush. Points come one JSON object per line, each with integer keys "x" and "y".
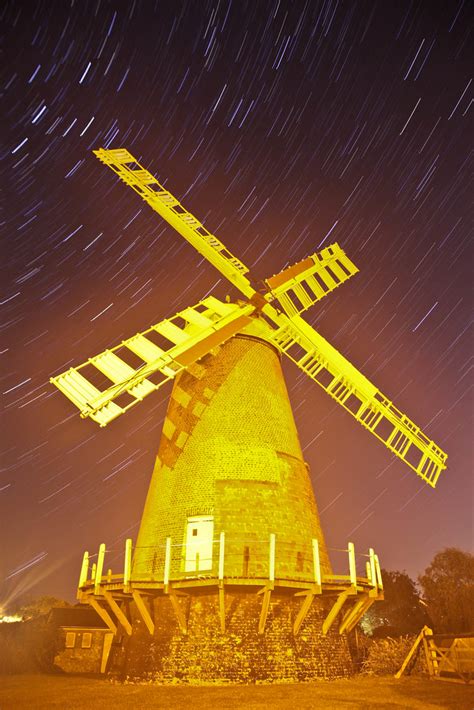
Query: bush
{"x": 27, "y": 647}
{"x": 386, "y": 656}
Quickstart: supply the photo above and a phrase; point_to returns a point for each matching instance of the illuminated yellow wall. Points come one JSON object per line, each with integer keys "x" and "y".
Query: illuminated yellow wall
{"x": 230, "y": 449}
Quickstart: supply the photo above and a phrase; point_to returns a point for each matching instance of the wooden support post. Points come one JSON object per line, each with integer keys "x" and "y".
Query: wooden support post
{"x": 127, "y": 565}
{"x": 373, "y": 573}
{"x": 305, "y": 607}
{"x": 166, "y": 574}
{"x": 367, "y": 571}
{"x": 271, "y": 561}
{"x": 267, "y": 590}
{"x": 352, "y": 564}
{"x": 109, "y": 575}
{"x": 93, "y": 571}
{"x": 100, "y": 567}
{"x": 83, "y": 574}
{"x": 221, "y": 556}
{"x": 316, "y": 562}
{"x": 265, "y": 607}
{"x": 178, "y": 611}
{"x": 118, "y": 612}
{"x": 221, "y": 582}
{"x": 378, "y": 572}
{"x": 108, "y": 638}
{"x": 144, "y": 613}
{"x": 222, "y": 606}
{"x": 335, "y": 609}
{"x": 430, "y": 652}
{"x": 104, "y": 615}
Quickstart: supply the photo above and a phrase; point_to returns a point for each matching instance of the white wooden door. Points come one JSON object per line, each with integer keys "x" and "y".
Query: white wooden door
{"x": 199, "y": 534}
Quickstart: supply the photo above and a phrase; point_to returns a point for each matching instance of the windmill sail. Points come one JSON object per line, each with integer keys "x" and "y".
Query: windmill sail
{"x": 184, "y": 338}
{"x": 353, "y": 391}
{"x": 300, "y": 286}
{"x": 132, "y": 173}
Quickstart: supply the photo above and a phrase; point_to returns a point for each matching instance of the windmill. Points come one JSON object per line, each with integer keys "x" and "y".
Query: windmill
{"x": 230, "y": 506}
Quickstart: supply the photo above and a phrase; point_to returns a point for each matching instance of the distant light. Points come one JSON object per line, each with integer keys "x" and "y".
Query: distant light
{"x": 10, "y": 619}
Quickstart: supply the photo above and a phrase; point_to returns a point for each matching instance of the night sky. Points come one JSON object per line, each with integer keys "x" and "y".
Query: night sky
{"x": 283, "y": 127}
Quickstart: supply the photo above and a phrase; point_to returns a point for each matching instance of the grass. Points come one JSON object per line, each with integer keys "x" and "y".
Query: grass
{"x": 44, "y": 692}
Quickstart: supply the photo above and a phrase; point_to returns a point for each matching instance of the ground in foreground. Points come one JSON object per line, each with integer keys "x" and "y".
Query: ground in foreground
{"x": 43, "y": 692}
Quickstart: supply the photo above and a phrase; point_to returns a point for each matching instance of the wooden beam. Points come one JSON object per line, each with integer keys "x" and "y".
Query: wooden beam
{"x": 265, "y": 607}
{"x": 144, "y": 613}
{"x": 103, "y": 613}
{"x": 83, "y": 574}
{"x": 430, "y": 652}
{"x": 84, "y": 570}
{"x": 335, "y": 609}
{"x": 352, "y": 563}
{"x": 271, "y": 560}
{"x": 305, "y": 607}
{"x": 118, "y": 612}
{"x": 367, "y": 604}
{"x": 127, "y": 564}
{"x": 411, "y": 652}
{"x": 166, "y": 571}
{"x": 316, "y": 563}
{"x": 373, "y": 572}
{"x": 178, "y": 611}
{"x": 378, "y": 572}
{"x": 313, "y": 589}
{"x": 221, "y": 556}
{"x": 222, "y": 606}
{"x": 100, "y": 567}
{"x": 354, "y": 613}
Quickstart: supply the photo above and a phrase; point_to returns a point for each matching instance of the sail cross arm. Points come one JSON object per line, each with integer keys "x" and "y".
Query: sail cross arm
{"x": 190, "y": 335}
{"x": 351, "y": 389}
{"x": 187, "y": 225}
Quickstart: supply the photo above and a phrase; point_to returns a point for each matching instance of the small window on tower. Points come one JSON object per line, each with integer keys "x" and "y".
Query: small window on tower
{"x": 195, "y": 532}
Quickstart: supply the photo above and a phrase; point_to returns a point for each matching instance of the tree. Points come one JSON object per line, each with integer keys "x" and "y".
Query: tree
{"x": 448, "y": 588}
{"x": 34, "y": 608}
{"x": 402, "y": 611}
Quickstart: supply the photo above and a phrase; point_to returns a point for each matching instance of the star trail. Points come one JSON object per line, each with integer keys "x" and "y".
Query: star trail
{"x": 284, "y": 127}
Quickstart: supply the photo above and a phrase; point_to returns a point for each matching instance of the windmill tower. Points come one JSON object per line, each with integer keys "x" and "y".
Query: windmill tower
{"x": 230, "y": 576}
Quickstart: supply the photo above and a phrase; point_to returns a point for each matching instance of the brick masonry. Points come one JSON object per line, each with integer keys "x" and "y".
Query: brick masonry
{"x": 240, "y": 655}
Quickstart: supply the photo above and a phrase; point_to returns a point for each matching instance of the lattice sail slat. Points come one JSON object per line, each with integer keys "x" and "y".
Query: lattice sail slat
{"x": 190, "y": 334}
{"x": 300, "y": 286}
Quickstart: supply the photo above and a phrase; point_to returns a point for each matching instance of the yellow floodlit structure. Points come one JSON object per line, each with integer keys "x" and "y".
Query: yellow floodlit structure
{"x": 230, "y": 537}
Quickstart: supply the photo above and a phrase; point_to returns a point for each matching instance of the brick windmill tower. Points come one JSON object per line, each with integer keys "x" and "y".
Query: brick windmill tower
{"x": 230, "y": 577}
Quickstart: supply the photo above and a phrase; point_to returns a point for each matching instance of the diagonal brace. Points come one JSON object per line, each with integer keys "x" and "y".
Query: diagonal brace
{"x": 305, "y": 607}
{"x": 103, "y": 613}
{"x": 144, "y": 613}
{"x": 178, "y": 611}
{"x": 119, "y": 613}
{"x": 335, "y": 609}
{"x": 267, "y": 593}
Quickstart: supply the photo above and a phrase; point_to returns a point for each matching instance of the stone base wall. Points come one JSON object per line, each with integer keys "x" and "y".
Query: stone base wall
{"x": 240, "y": 655}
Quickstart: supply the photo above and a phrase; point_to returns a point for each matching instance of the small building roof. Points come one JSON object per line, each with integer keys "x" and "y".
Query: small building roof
{"x": 80, "y": 615}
